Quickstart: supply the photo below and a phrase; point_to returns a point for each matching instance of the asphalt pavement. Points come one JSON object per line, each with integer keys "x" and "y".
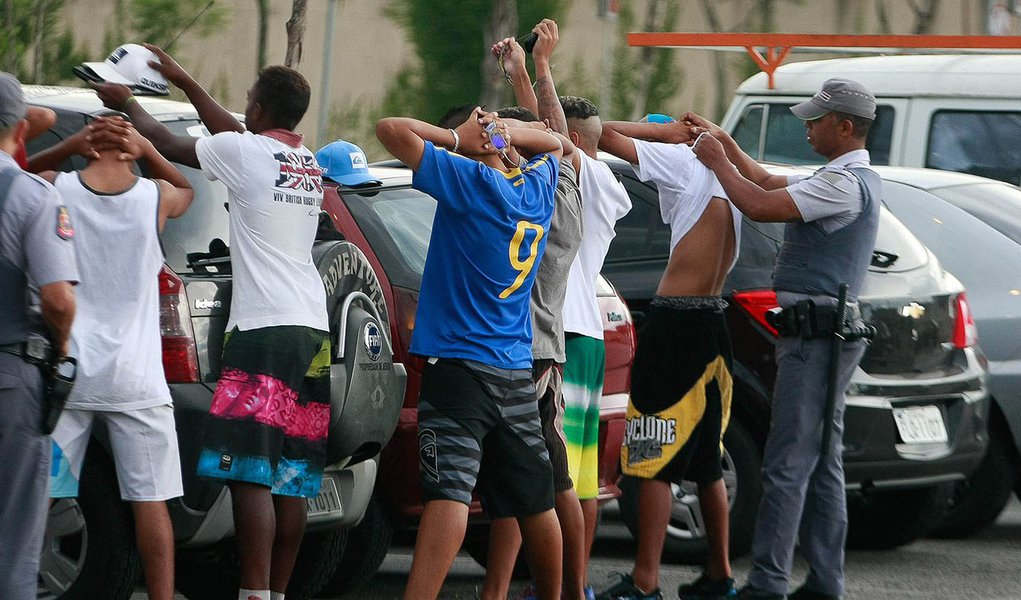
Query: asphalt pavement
{"x": 986, "y": 566}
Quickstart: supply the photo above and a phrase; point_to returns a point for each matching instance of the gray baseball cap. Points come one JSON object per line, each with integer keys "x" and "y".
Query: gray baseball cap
{"x": 12, "y": 100}
{"x": 841, "y": 95}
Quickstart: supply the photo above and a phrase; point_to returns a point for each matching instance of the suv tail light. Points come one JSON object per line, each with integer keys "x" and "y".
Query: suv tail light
{"x": 180, "y": 360}
{"x": 965, "y": 332}
{"x": 406, "y": 305}
{"x": 757, "y": 303}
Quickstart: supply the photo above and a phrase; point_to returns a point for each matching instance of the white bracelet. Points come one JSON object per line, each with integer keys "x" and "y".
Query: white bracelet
{"x": 457, "y": 141}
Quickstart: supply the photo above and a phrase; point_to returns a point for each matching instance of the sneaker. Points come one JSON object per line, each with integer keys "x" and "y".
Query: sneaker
{"x": 750, "y": 592}
{"x": 625, "y": 589}
{"x": 803, "y": 593}
{"x": 704, "y": 588}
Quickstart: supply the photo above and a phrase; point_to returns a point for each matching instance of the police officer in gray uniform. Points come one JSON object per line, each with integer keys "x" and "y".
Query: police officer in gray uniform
{"x": 37, "y": 272}
{"x": 832, "y": 218}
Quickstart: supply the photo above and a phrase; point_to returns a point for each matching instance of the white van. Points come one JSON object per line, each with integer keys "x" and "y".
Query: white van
{"x": 951, "y": 112}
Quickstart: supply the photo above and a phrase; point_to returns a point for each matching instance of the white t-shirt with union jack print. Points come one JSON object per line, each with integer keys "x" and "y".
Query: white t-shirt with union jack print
{"x": 276, "y": 189}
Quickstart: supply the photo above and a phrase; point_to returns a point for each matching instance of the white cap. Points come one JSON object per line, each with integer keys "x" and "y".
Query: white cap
{"x": 129, "y": 65}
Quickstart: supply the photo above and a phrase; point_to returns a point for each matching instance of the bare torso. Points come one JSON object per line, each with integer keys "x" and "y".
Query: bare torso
{"x": 699, "y": 263}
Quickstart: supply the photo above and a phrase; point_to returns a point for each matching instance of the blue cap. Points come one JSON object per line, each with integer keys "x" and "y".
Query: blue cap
{"x": 345, "y": 163}
{"x": 658, "y": 118}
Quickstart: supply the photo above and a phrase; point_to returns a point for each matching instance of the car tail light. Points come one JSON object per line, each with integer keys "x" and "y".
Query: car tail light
{"x": 180, "y": 360}
{"x": 406, "y": 305}
{"x": 757, "y": 303}
{"x": 965, "y": 332}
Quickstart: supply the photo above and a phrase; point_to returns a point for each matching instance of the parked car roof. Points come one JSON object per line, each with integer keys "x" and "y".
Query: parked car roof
{"x": 987, "y": 75}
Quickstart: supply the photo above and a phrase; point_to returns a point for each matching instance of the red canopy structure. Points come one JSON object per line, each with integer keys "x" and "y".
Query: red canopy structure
{"x": 779, "y": 45}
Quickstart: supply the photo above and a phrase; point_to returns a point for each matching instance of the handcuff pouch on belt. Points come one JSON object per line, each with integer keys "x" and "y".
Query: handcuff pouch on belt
{"x": 804, "y": 319}
{"x": 808, "y": 320}
{"x": 58, "y": 375}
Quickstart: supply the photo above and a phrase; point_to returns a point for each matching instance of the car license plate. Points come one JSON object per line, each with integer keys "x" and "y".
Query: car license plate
{"x": 920, "y": 424}
{"x": 328, "y": 499}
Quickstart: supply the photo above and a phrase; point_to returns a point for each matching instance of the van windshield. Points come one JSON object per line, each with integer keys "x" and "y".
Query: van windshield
{"x": 770, "y": 132}
{"x": 978, "y": 142}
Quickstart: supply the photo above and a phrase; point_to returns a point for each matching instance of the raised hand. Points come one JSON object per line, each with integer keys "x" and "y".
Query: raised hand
{"x": 113, "y": 95}
{"x": 510, "y": 55}
{"x": 549, "y": 36}
{"x": 168, "y": 67}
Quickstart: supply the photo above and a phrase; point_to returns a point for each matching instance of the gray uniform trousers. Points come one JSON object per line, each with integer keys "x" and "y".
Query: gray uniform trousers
{"x": 799, "y": 485}
{"x": 25, "y": 472}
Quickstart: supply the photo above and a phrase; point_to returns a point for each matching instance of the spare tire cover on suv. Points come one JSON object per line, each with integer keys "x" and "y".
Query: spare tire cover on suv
{"x": 366, "y": 387}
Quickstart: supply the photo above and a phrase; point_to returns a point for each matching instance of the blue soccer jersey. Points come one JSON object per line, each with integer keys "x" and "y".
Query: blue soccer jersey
{"x": 488, "y": 236}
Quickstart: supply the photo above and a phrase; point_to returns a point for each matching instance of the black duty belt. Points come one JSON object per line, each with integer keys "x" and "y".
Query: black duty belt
{"x": 35, "y": 351}
{"x": 808, "y": 320}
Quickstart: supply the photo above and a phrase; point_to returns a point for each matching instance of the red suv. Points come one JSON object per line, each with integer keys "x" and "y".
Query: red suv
{"x": 392, "y": 224}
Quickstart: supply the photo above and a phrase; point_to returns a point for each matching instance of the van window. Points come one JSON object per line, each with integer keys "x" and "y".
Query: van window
{"x": 782, "y": 138}
{"x": 981, "y": 143}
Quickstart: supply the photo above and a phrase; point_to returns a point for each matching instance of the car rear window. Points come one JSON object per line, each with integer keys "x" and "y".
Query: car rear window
{"x": 398, "y": 223}
{"x": 897, "y": 249}
{"x": 770, "y": 132}
{"x": 196, "y": 231}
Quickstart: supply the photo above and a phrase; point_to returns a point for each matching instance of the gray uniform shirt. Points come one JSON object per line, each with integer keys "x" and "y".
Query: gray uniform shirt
{"x": 550, "y": 288}
{"x": 35, "y": 239}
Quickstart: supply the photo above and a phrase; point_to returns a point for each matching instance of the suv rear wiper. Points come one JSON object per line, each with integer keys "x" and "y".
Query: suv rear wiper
{"x": 218, "y": 257}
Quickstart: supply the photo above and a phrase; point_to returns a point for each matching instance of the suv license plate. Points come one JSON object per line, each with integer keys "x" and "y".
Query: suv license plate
{"x": 920, "y": 424}
{"x": 328, "y": 499}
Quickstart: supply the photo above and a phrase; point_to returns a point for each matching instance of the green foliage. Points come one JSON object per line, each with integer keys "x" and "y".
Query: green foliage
{"x": 355, "y": 121}
{"x": 160, "y": 21}
{"x": 628, "y": 64}
{"x": 450, "y": 49}
{"x": 59, "y": 53}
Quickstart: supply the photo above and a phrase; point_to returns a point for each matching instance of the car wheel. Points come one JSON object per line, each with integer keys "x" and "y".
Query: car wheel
{"x": 685, "y": 541}
{"x": 881, "y": 520}
{"x": 977, "y": 501}
{"x": 89, "y": 549}
{"x": 367, "y": 546}
{"x": 317, "y": 561}
{"x": 476, "y": 543}
{"x": 213, "y": 573}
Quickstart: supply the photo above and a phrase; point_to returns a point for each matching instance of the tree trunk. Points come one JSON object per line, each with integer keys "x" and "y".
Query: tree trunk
{"x": 503, "y": 22}
{"x": 925, "y": 13}
{"x": 11, "y": 58}
{"x": 263, "y": 8}
{"x": 646, "y": 64}
{"x": 723, "y": 90}
{"x": 295, "y": 33}
{"x": 37, "y": 57}
{"x": 882, "y": 18}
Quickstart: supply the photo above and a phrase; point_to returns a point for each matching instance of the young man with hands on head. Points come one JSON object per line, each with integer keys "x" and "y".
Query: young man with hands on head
{"x": 478, "y": 419}
{"x": 681, "y": 383}
{"x": 116, "y": 335}
{"x": 548, "y": 294}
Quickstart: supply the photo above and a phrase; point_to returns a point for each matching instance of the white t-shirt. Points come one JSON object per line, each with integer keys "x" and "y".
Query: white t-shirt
{"x": 275, "y": 193}
{"x": 604, "y": 200}
{"x": 116, "y": 331}
{"x": 685, "y": 187}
